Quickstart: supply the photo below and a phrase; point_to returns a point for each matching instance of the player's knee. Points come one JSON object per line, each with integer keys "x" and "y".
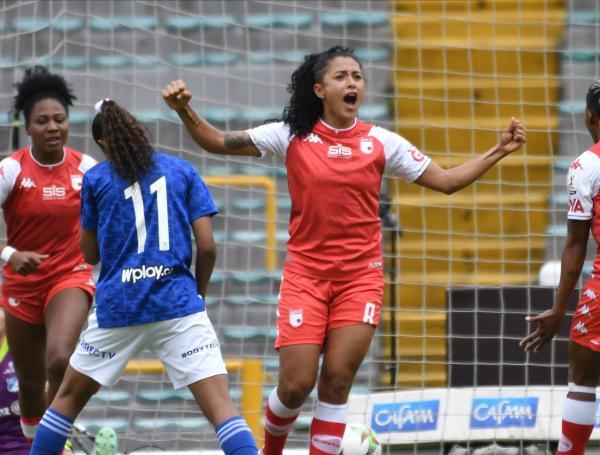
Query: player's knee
{"x": 335, "y": 387}
{"x": 294, "y": 391}
{"x": 57, "y": 361}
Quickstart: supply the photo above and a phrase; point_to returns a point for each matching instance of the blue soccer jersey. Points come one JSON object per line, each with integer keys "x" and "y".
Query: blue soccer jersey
{"x": 144, "y": 238}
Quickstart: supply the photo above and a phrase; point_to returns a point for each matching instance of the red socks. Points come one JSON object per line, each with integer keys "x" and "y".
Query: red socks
{"x": 327, "y": 428}
{"x": 577, "y": 426}
{"x": 278, "y": 423}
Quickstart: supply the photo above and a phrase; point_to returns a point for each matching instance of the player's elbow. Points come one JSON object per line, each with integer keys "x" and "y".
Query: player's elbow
{"x": 206, "y": 253}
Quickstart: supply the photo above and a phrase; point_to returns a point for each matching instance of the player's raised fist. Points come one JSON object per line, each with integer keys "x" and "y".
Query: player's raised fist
{"x": 512, "y": 137}
{"x": 176, "y": 95}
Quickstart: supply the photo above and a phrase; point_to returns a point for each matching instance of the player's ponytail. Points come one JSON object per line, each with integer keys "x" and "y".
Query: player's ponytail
{"x": 124, "y": 140}
{"x": 38, "y": 84}
{"x": 305, "y": 108}
{"x": 593, "y": 98}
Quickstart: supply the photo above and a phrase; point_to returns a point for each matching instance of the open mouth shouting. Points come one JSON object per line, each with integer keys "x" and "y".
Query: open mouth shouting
{"x": 350, "y": 100}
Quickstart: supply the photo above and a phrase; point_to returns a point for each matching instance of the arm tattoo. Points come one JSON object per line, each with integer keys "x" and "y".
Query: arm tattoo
{"x": 237, "y": 140}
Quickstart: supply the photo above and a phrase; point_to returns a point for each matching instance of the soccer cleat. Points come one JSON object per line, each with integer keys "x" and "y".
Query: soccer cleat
{"x": 105, "y": 442}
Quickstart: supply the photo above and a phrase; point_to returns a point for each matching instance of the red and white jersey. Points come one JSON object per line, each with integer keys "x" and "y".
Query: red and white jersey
{"x": 41, "y": 205}
{"x": 583, "y": 183}
{"x": 334, "y": 181}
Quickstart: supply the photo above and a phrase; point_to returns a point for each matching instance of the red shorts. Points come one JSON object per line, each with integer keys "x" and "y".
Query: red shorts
{"x": 31, "y": 307}
{"x": 311, "y": 307}
{"x": 585, "y": 327}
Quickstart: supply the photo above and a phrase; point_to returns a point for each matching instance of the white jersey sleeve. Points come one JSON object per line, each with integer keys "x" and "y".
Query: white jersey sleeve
{"x": 402, "y": 159}
{"x": 87, "y": 162}
{"x": 271, "y": 139}
{"x": 583, "y": 184}
{"x": 9, "y": 171}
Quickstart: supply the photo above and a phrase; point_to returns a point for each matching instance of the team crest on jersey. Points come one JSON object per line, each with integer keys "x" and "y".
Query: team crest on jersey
{"x": 76, "y": 182}
{"x": 366, "y": 145}
{"x": 296, "y": 318}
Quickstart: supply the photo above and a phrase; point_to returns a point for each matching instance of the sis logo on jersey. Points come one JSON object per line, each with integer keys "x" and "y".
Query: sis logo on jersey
{"x": 53, "y": 192}
{"x": 339, "y": 151}
{"x": 133, "y": 275}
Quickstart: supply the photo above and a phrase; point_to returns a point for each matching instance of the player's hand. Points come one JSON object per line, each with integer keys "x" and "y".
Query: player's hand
{"x": 512, "y": 137}
{"x": 548, "y": 324}
{"x": 176, "y": 95}
{"x": 25, "y": 262}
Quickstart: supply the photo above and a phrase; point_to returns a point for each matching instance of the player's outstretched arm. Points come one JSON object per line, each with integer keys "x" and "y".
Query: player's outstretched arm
{"x": 206, "y": 252}
{"x": 572, "y": 260}
{"x": 177, "y": 97}
{"x": 451, "y": 180}
{"x": 89, "y": 246}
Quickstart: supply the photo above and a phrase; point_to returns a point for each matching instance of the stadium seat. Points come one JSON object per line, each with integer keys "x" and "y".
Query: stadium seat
{"x": 285, "y": 56}
{"x": 583, "y": 16}
{"x": 153, "y": 396}
{"x": 111, "y": 396}
{"x": 562, "y": 164}
{"x": 226, "y": 169}
{"x": 374, "y": 112}
{"x": 256, "y": 276}
{"x": 248, "y": 204}
{"x": 252, "y": 299}
{"x": 219, "y": 235}
{"x": 6, "y": 62}
{"x": 150, "y": 115}
{"x": 572, "y": 108}
{"x": 220, "y": 114}
{"x": 78, "y": 116}
{"x": 65, "y": 62}
{"x": 354, "y": 19}
{"x": 149, "y": 60}
{"x": 282, "y": 235}
{"x": 284, "y": 203}
{"x": 191, "y": 23}
{"x": 260, "y": 114}
{"x": 246, "y": 236}
{"x": 202, "y": 59}
{"x": 171, "y": 423}
{"x": 93, "y": 425}
{"x": 279, "y": 20}
{"x": 29, "y": 24}
{"x": 244, "y": 332}
{"x": 557, "y": 230}
{"x": 112, "y": 61}
{"x": 372, "y": 55}
{"x": 550, "y": 274}
{"x": 67, "y": 24}
{"x": 257, "y": 169}
{"x": 217, "y": 277}
{"x": 105, "y": 24}
{"x": 580, "y": 55}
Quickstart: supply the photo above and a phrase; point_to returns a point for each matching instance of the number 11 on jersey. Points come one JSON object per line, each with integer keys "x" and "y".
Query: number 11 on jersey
{"x": 134, "y": 193}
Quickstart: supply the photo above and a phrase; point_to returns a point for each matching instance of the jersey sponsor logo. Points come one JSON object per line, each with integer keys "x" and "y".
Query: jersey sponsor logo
{"x": 13, "y": 302}
{"x": 575, "y": 205}
{"x": 509, "y": 412}
{"x": 339, "y": 151}
{"x": 405, "y": 416}
{"x": 313, "y": 138}
{"x": 366, "y": 145}
{"x": 296, "y": 318}
{"x": 369, "y": 314}
{"x": 27, "y": 183}
{"x": 53, "y": 193}
{"x": 76, "y": 182}
{"x": 581, "y": 328}
{"x": 591, "y": 294}
{"x": 133, "y": 275}
{"x": 576, "y": 165}
{"x": 199, "y": 349}
{"x": 416, "y": 154}
{"x": 95, "y": 352}
{"x": 565, "y": 444}
{"x": 327, "y": 443}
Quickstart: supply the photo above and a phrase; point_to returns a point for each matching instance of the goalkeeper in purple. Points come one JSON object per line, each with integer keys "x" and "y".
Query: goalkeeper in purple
{"x": 136, "y": 211}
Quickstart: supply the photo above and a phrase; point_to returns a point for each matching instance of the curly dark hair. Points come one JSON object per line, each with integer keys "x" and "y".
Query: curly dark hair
{"x": 38, "y": 84}
{"x": 305, "y": 108}
{"x": 592, "y": 99}
{"x": 125, "y": 140}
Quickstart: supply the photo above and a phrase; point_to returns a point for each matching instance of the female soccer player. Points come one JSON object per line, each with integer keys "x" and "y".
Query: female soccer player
{"x": 332, "y": 287}
{"x": 47, "y": 287}
{"x": 136, "y": 212}
{"x": 583, "y": 184}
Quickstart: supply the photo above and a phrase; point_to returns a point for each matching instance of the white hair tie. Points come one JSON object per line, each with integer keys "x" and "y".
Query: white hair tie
{"x": 98, "y": 105}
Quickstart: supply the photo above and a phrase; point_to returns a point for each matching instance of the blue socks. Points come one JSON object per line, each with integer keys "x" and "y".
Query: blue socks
{"x": 235, "y": 437}
{"x": 52, "y": 433}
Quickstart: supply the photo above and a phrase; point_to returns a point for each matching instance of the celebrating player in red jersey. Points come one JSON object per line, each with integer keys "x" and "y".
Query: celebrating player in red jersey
{"x": 332, "y": 288}
{"x": 48, "y": 287}
{"x": 583, "y": 184}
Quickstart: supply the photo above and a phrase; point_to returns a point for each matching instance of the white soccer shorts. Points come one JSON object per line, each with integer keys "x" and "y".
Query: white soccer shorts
{"x": 188, "y": 348}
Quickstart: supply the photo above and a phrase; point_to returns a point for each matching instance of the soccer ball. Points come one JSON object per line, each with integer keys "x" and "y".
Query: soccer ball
{"x": 360, "y": 440}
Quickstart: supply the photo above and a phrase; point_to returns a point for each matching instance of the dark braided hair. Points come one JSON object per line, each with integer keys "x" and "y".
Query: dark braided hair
{"x": 38, "y": 84}
{"x": 126, "y": 144}
{"x": 305, "y": 108}
{"x": 592, "y": 99}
